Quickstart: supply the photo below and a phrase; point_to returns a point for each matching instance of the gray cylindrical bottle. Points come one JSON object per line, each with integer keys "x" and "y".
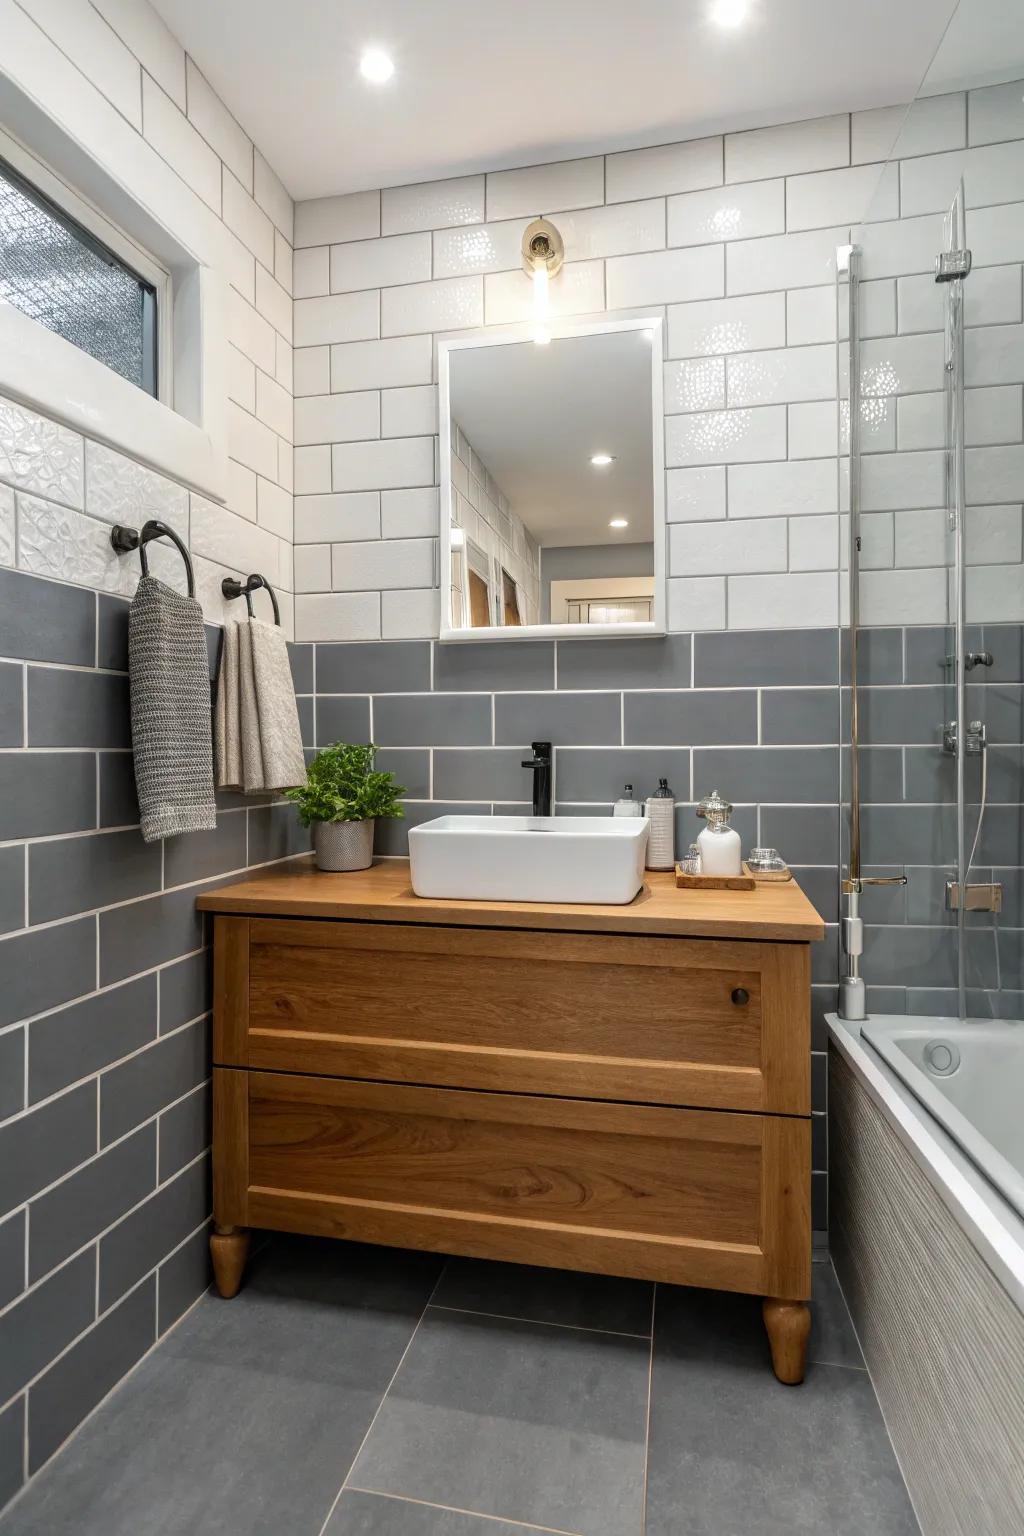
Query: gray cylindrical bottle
{"x": 661, "y": 813}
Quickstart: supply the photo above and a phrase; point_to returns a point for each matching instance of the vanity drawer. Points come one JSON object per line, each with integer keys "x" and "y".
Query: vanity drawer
{"x": 723, "y": 1024}
{"x": 694, "y": 1197}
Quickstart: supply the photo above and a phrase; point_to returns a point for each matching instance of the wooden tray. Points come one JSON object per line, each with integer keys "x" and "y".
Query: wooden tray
{"x": 768, "y": 876}
{"x": 685, "y": 882}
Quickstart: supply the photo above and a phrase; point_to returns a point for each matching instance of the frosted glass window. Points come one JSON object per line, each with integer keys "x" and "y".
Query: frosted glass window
{"x": 60, "y": 275}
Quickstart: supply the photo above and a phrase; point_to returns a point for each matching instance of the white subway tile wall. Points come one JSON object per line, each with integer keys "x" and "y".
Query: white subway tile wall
{"x": 732, "y": 239}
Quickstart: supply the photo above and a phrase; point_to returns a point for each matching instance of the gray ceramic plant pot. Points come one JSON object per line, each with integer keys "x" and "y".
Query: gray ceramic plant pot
{"x": 343, "y": 845}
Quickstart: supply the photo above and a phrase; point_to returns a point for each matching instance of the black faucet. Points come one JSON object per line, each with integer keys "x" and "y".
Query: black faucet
{"x": 540, "y": 762}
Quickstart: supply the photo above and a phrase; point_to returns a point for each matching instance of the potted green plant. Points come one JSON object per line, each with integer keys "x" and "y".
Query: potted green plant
{"x": 341, "y": 799}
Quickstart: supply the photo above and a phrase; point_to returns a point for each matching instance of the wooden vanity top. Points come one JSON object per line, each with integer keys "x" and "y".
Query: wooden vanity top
{"x": 383, "y": 894}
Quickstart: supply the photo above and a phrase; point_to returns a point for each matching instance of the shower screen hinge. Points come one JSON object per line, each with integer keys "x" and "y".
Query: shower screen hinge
{"x": 978, "y": 898}
{"x": 952, "y": 264}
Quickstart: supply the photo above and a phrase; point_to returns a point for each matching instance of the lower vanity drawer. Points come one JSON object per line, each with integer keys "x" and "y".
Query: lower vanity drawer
{"x": 695, "y": 1197}
{"x": 723, "y": 1023}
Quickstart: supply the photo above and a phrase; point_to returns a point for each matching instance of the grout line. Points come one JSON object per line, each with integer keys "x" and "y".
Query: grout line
{"x": 456, "y": 1509}
{"x": 647, "y": 1418}
{"x": 539, "y": 1322}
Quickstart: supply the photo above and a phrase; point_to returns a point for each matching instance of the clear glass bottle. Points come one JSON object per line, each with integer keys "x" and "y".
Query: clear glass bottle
{"x": 720, "y": 849}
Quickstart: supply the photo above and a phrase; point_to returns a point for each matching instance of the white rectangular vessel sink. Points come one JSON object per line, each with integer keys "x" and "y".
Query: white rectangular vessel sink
{"x": 592, "y": 859}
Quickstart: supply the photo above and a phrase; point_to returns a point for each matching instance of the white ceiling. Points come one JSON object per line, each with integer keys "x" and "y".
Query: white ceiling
{"x": 535, "y": 415}
{"x": 487, "y": 84}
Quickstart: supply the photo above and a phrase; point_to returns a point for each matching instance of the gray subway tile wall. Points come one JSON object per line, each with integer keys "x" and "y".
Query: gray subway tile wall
{"x": 104, "y": 1020}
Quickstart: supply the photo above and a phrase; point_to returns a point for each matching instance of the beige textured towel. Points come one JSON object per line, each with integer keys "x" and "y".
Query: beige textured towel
{"x": 259, "y": 743}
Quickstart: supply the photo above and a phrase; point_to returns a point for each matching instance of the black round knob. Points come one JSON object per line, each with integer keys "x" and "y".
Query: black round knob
{"x": 740, "y": 996}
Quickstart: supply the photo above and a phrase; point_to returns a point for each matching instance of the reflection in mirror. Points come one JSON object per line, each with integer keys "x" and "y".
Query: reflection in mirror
{"x": 552, "y": 476}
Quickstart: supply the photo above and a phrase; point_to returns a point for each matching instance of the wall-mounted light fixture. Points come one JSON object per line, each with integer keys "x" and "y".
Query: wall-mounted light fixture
{"x": 543, "y": 255}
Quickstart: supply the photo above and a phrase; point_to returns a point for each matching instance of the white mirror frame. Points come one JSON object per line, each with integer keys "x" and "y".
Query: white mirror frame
{"x": 515, "y": 335}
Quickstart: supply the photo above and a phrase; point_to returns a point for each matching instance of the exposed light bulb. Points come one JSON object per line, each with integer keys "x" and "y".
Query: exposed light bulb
{"x": 375, "y": 65}
{"x": 541, "y": 329}
{"x": 619, "y": 522}
{"x": 602, "y": 460}
{"x": 730, "y": 13}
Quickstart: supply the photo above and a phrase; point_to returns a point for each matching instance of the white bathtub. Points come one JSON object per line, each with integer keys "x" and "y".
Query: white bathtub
{"x": 970, "y": 1076}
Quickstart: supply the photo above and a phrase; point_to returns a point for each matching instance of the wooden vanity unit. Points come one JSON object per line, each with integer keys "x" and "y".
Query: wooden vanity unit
{"x": 618, "y": 1089}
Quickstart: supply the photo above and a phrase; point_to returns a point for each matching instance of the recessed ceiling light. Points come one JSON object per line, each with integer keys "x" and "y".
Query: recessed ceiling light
{"x": 619, "y": 522}
{"x": 730, "y": 13}
{"x": 376, "y": 66}
{"x": 602, "y": 460}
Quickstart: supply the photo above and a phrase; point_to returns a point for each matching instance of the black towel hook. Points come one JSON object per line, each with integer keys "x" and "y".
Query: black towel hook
{"x": 232, "y": 588}
{"x": 124, "y": 539}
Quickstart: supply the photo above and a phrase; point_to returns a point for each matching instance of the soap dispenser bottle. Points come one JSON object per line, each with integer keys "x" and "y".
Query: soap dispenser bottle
{"x": 661, "y": 813}
{"x": 719, "y": 844}
{"x": 627, "y": 804}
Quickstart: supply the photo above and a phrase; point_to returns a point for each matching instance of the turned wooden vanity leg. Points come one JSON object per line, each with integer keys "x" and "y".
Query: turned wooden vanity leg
{"x": 788, "y": 1324}
{"x": 229, "y": 1249}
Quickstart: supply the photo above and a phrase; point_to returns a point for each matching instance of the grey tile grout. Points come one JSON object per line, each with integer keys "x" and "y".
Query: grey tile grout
{"x": 540, "y": 1322}
{"x": 456, "y": 1509}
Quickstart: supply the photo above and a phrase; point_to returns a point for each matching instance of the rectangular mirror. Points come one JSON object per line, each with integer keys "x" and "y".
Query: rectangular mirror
{"x": 552, "y": 482}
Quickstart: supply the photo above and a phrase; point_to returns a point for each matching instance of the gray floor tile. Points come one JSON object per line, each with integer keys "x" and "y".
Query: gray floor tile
{"x": 832, "y": 1341}
{"x": 733, "y": 1453}
{"x": 374, "y": 1514}
{"x": 248, "y": 1416}
{"x": 529, "y": 1423}
{"x": 547, "y": 1295}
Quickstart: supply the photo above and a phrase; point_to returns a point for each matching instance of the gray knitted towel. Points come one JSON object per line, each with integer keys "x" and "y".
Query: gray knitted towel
{"x": 168, "y": 671}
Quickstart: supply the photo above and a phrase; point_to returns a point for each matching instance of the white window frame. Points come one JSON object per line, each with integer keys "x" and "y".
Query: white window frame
{"x": 89, "y": 160}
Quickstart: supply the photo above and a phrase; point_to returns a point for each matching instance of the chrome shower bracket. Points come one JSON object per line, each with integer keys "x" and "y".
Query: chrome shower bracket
{"x": 952, "y": 264}
{"x": 975, "y": 738}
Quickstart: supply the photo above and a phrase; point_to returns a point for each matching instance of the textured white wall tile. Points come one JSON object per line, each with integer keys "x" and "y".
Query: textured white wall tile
{"x": 410, "y": 615}
{"x": 311, "y": 272}
{"x": 993, "y": 416}
{"x": 783, "y": 261}
{"x": 323, "y": 220}
{"x": 340, "y": 317}
{"x": 792, "y": 601}
{"x": 332, "y": 518}
{"x": 311, "y": 371}
{"x": 274, "y": 406}
{"x": 795, "y": 488}
{"x": 994, "y": 475}
{"x": 7, "y": 550}
{"x": 996, "y": 112}
{"x": 891, "y": 482}
{"x": 900, "y": 246}
{"x": 815, "y": 145}
{"x": 38, "y": 455}
{"x": 383, "y": 565}
{"x": 380, "y": 263}
{"x": 718, "y": 549}
{"x": 578, "y": 290}
{"x": 232, "y": 541}
{"x": 274, "y": 303}
{"x": 696, "y": 495}
{"x": 921, "y": 421}
{"x": 65, "y": 545}
{"x": 810, "y": 316}
{"x": 273, "y": 198}
{"x": 696, "y": 602}
{"x": 613, "y": 231}
{"x": 432, "y": 205}
{"x": 790, "y": 373}
{"x": 991, "y": 174}
{"x": 408, "y": 412}
{"x": 120, "y": 490}
{"x": 666, "y": 277}
{"x": 175, "y": 140}
{"x": 537, "y": 189}
{"x": 932, "y": 124}
{"x": 736, "y": 212}
{"x": 313, "y": 568}
{"x": 665, "y": 169}
{"x": 995, "y": 594}
{"x": 386, "y": 465}
{"x": 213, "y": 120}
{"x": 814, "y": 543}
{"x": 843, "y": 197}
{"x": 993, "y": 536}
{"x": 479, "y": 248}
{"x": 695, "y": 384}
{"x": 250, "y": 333}
{"x": 996, "y": 235}
{"x": 386, "y": 364}
{"x": 338, "y": 616}
{"x": 244, "y": 215}
{"x": 450, "y": 304}
{"x": 274, "y": 511}
{"x": 726, "y": 437}
{"x": 312, "y": 470}
{"x": 337, "y": 418}
{"x": 82, "y": 33}
{"x": 994, "y": 355}
{"x": 715, "y": 326}
{"x": 411, "y": 514}
{"x": 813, "y": 430}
